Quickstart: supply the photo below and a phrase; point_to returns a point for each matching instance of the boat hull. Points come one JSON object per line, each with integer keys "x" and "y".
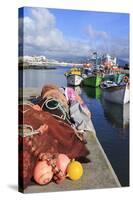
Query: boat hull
{"x": 117, "y": 94}
{"x": 74, "y": 80}
{"x": 92, "y": 81}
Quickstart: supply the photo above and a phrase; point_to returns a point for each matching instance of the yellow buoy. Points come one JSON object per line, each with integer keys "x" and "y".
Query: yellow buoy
{"x": 74, "y": 170}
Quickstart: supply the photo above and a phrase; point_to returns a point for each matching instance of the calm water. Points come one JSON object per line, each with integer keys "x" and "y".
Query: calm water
{"x": 110, "y": 121}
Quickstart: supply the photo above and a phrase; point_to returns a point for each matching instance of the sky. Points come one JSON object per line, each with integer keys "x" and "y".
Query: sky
{"x": 64, "y": 33}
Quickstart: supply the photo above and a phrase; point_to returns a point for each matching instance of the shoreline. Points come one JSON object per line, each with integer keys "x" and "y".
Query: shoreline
{"x": 48, "y": 65}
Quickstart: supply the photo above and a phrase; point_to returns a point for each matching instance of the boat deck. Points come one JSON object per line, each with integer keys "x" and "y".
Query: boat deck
{"x": 97, "y": 174}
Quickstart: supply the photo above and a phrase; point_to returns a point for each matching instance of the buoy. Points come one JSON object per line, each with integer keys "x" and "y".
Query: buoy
{"x": 74, "y": 170}
{"x": 126, "y": 79}
{"x": 62, "y": 162}
{"x": 42, "y": 173}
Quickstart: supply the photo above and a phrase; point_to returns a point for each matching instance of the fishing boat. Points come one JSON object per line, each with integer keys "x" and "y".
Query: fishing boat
{"x": 92, "y": 80}
{"x": 116, "y": 93}
{"x": 116, "y": 77}
{"x": 87, "y": 70}
{"x": 108, "y": 60}
{"x": 74, "y": 77}
{"x": 93, "y": 77}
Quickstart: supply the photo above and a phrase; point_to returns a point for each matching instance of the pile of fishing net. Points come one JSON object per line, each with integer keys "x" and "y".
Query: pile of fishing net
{"x": 43, "y": 137}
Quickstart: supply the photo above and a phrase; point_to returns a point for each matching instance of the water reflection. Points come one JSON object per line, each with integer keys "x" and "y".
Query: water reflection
{"x": 78, "y": 89}
{"x": 38, "y": 78}
{"x": 116, "y": 114}
{"x": 92, "y": 92}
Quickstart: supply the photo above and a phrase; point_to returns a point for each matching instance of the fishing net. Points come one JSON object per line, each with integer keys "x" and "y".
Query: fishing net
{"x": 40, "y": 132}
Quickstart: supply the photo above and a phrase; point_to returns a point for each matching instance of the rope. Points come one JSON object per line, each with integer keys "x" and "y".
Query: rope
{"x": 28, "y": 133}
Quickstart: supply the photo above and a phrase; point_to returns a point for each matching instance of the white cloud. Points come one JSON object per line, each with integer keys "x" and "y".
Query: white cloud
{"x": 42, "y": 37}
{"x": 103, "y": 42}
{"x": 40, "y": 29}
{"x": 94, "y": 34}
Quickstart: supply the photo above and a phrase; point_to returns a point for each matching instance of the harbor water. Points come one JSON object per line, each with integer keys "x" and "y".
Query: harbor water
{"x": 111, "y": 121}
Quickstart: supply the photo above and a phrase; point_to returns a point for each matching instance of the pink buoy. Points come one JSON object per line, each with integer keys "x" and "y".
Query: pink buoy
{"x": 42, "y": 173}
{"x": 62, "y": 162}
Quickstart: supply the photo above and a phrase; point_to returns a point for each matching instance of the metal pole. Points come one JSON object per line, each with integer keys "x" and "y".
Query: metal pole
{"x": 96, "y": 58}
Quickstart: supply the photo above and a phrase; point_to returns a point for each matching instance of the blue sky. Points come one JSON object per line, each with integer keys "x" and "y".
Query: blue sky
{"x": 60, "y": 32}
{"x": 109, "y": 22}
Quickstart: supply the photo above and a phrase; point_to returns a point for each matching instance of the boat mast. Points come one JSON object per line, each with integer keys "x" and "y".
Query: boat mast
{"x": 95, "y": 53}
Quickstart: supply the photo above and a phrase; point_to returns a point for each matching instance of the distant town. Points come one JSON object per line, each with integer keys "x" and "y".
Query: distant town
{"x": 27, "y": 62}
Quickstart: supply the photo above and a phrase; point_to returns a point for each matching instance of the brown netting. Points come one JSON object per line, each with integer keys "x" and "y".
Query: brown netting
{"x": 59, "y": 137}
{"x": 54, "y": 92}
{"x": 48, "y": 87}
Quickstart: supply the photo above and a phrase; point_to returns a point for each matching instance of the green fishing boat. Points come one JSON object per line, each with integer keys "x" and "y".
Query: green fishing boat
{"x": 92, "y": 81}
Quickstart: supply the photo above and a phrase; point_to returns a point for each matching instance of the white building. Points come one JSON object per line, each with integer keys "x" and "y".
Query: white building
{"x": 33, "y": 60}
